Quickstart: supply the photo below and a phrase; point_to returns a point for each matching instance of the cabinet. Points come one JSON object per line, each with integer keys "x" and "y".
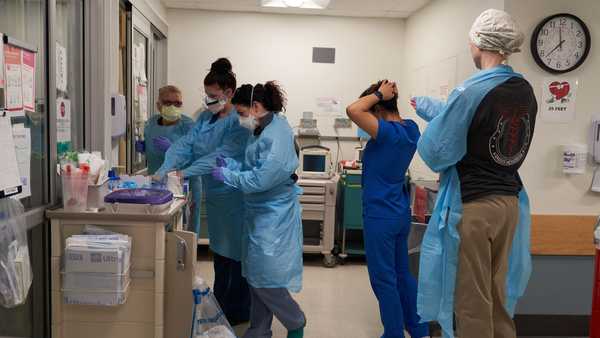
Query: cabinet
{"x": 352, "y": 222}
{"x": 160, "y": 296}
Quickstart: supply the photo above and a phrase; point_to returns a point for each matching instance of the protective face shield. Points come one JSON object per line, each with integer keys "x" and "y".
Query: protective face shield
{"x": 249, "y": 122}
{"x": 214, "y": 105}
{"x": 171, "y": 113}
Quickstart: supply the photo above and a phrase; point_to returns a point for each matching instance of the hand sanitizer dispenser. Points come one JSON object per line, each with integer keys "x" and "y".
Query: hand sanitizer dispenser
{"x": 118, "y": 115}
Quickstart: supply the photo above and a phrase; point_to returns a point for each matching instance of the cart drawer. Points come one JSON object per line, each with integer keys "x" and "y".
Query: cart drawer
{"x": 314, "y": 190}
{"x": 313, "y": 215}
{"x": 312, "y": 199}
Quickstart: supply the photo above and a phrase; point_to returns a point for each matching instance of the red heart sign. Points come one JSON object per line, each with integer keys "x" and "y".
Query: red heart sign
{"x": 560, "y": 89}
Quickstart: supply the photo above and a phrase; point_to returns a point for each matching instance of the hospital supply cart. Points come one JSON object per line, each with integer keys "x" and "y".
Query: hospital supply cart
{"x": 159, "y": 301}
{"x": 319, "y": 201}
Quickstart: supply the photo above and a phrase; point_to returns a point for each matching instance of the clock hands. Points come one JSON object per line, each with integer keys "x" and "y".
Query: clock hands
{"x": 557, "y": 47}
{"x": 560, "y": 37}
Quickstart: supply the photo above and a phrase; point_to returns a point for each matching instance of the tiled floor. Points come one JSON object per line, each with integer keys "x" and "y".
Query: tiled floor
{"x": 338, "y": 302}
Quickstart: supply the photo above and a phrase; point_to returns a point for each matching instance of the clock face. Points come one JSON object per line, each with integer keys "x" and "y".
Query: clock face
{"x": 561, "y": 43}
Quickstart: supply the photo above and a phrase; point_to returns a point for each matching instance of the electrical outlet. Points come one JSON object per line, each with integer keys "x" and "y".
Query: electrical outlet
{"x": 342, "y": 122}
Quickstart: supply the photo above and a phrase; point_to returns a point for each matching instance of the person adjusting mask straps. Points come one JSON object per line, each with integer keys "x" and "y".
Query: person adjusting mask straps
{"x": 386, "y": 206}
{"x": 214, "y": 135}
{"x": 165, "y": 128}
{"x": 482, "y": 210}
{"x": 273, "y": 257}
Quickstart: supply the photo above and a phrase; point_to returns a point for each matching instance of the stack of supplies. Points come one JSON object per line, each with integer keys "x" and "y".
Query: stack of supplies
{"x": 97, "y": 269}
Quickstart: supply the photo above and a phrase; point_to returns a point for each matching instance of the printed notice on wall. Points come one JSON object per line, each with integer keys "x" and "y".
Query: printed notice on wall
{"x": 1, "y": 62}
{"x": 9, "y": 170}
{"x": 28, "y": 80}
{"x": 63, "y": 117}
{"x": 61, "y": 68}
{"x": 63, "y": 125}
{"x": 13, "y": 80}
{"x": 328, "y": 106}
{"x": 558, "y": 100}
{"x": 22, "y": 138}
{"x": 1, "y": 71}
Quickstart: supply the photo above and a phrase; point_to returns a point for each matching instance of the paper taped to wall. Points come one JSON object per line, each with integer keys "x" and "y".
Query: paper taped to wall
{"x": 28, "y": 80}
{"x": 22, "y": 139}
{"x": 61, "y": 68}
{"x": 10, "y": 179}
{"x": 13, "y": 80}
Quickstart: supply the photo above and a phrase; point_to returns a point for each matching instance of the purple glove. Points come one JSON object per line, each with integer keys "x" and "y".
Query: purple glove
{"x": 140, "y": 146}
{"x": 161, "y": 143}
{"x": 221, "y": 163}
{"x": 217, "y": 174}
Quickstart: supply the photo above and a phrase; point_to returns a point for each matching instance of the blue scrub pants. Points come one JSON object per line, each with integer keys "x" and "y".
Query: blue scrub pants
{"x": 395, "y": 288}
{"x": 231, "y": 290}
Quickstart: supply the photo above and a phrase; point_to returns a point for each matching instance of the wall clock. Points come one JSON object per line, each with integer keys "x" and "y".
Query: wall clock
{"x": 561, "y": 43}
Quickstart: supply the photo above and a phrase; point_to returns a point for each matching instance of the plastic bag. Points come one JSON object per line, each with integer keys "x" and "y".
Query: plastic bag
{"x": 208, "y": 319}
{"x": 218, "y": 332}
{"x": 15, "y": 267}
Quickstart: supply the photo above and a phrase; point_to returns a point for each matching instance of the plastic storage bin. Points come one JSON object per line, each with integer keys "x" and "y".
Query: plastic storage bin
{"x": 139, "y": 201}
{"x": 75, "y": 191}
{"x": 95, "y": 281}
{"x": 109, "y": 254}
{"x": 95, "y": 297}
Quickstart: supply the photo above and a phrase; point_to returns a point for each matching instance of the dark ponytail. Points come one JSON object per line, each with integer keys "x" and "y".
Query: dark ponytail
{"x": 270, "y": 95}
{"x": 221, "y": 74}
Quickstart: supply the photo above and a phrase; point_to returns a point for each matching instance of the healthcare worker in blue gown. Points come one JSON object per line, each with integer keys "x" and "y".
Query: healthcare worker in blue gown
{"x": 386, "y": 206}
{"x": 162, "y": 130}
{"x": 273, "y": 257}
{"x": 217, "y": 132}
{"x": 475, "y": 260}
{"x": 165, "y": 128}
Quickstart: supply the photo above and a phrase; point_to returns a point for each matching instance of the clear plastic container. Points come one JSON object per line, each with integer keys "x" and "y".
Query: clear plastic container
{"x": 95, "y": 297}
{"x": 95, "y": 281}
{"x": 75, "y": 191}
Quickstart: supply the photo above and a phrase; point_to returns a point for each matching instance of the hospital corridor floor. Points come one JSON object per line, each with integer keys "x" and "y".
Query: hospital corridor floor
{"x": 338, "y": 302}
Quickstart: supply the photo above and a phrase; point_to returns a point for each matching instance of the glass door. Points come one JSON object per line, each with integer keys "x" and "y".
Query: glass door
{"x": 141, "y": 59}
{"x": 26, "y": 21}
{"x": 69, "y": 75}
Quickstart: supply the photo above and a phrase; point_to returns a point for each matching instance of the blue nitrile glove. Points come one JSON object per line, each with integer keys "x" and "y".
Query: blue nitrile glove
{"x": 140, "y": 146}
{"x": 217, "y": 174}
{"x": 161, "y": 143}
{"x": 221, "y": 162}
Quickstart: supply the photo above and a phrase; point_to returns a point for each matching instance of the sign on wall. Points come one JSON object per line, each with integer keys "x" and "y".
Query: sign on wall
{"x": 558, "y": 100}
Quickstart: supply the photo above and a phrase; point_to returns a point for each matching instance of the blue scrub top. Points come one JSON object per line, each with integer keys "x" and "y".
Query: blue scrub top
{"x": 385, "y": 162}
{"x": 153, "y": 129}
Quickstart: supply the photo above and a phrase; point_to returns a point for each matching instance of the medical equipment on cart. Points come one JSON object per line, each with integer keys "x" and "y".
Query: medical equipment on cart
{"x": 315, "y": 162}
{"x": 139, "y": 201}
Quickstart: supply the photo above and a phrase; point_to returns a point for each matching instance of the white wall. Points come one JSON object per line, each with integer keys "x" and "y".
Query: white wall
{"x": 158, "y": 8}
{"x": 551, "y": 191}
{"x": 436, "y": 51}
{"x": 436, "y": 54}
{"x": 266, "y": 47}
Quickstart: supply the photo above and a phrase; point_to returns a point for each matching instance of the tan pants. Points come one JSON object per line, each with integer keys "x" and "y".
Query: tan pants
{"x": 486, "y": 230}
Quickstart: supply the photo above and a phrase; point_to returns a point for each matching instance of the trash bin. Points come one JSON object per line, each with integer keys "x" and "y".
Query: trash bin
{"x": 75, "y": 190}
{"x": 415, "y": 238}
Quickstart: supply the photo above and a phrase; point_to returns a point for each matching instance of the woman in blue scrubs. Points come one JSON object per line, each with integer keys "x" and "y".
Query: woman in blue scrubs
{"x": 386, "y": 206}
{"x": 218, "y": 133}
